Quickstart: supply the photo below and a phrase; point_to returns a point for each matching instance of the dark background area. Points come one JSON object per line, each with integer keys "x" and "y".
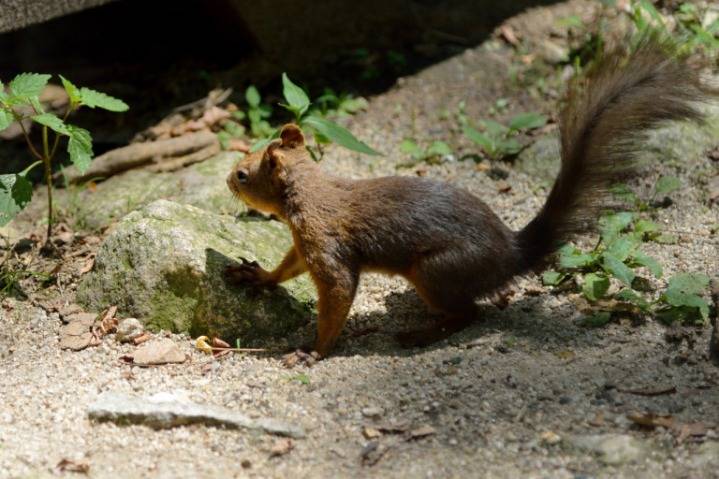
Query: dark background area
{"x": 161, "y": 54}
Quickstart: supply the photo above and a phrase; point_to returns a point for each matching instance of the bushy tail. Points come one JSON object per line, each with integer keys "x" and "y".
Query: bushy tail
{"x": 602, "y": 127}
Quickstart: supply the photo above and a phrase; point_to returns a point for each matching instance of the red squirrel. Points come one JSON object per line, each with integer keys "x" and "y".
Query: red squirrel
{"x": 445, "y": 241}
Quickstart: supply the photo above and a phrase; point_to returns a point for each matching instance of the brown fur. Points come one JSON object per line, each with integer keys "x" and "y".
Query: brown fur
{"x": 442, "y": 239}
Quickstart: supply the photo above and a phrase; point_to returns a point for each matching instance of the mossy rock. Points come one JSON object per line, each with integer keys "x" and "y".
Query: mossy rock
{"x": 202, "y": 185}
{"x": 164, "y": 265}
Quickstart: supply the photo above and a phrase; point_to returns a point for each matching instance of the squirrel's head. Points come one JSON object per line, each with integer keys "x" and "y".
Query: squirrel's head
{"x": 260, "y": 178}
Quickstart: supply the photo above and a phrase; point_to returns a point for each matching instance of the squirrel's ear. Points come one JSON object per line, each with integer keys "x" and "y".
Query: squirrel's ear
{"x": 291, "y": 136}
{"x": 274, "y": 157}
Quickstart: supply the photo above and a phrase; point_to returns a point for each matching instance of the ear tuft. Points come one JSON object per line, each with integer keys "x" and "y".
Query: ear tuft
{"x": 292, "y": 136}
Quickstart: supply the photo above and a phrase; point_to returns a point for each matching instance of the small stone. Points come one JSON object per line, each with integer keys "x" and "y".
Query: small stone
{"x": 370, "y": 433}
{"x": 162, "y": 351}
{"x": 246, "y": 464}
{"x": 128, "y": 329}
{"x": 77, "y": 334}
{"x": 372, "y": 412}
{"x": 549, "y": 437}
{"x": 281, "y": 447}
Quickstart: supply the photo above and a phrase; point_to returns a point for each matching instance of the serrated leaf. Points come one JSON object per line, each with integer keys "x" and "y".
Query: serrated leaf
{"x": 338, "y": 134}
{"x": 252, "y": 96}
{"x": 72, "y": 91}
{"x": 552, "y": 278}
{"x": 79, "y": 146}
{"x": 28, "y": 85}
{"x": 93, "y": 98}
{"x": 53, "y": 122}
{"x": 6, "y": 119}
{"x": 595, "y": 286}
{"x": 681, "y": 314}
{"x": 618, "y": 269}
{"x": 690, "y": 283}
{"x": 527, "y": 121}
{"x": 667, "y": 184}
{"x": 648, "y": 262}
{"x": 645, "y": 227}
{"x": 510, "y": 146}
{"x": 296, "y": 98}
{"x": 571, "y": 257}
{"x": 15, "y": 193}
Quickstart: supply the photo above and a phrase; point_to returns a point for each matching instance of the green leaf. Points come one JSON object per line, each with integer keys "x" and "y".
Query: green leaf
{"x": 681, "y": 314}
{"x": 28, "y": 85}
{"x": 553, "y": 278}
{"x": 53, "y": 122}
{"x": 527, "y": 121}
{"x": 15, "y": 193}
{"x": 98, "y": 99}
{"x": 6, "y": 118}
{"x": 494, "y": 128}
{"x": 296, "y": 98}
{"x": 690, "y": 283}
{"x": 595, "y": 286}
{"x": 338, "y": 134}
{"x": 645, "y": 228}
{"x": 622, "y": 192}
{"x": 611, "y": 225}
{"x": 485, "y": 142}
{"x": 510, "y": 147}
{"x": 410, "y": 147}
{"x": 72, "y": 91}
{"x": 648, "y": 262}
{"x": 439, "y": 148}
{"x": 252, "y": 96}
{"x": 618, "y": 269}
{"x": 622, "y": 247}
{"x": 80, "y": 147}
{"x": 630, "y": 296}
{"x": 571, "y": 257}
{"x": 667, "y": 184}
{"x": 596, "y": 320}
{"x": 259, "y": 144}
{"x": 665, "y": 238}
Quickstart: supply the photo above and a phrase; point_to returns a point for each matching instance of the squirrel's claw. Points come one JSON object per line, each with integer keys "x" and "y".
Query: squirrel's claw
{"x": 246, "y": 273}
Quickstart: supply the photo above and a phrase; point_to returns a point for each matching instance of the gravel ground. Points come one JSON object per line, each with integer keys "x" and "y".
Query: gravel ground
{"x": 526, "y": 392}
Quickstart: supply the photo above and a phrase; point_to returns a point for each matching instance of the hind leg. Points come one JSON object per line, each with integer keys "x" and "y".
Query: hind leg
{"x": 446, "y": 293}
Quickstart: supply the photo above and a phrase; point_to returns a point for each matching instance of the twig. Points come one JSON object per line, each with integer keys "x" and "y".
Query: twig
{"x": 172, "y": 164}
{"x": 649, "y": 392}
{"x": 138, "y": 154}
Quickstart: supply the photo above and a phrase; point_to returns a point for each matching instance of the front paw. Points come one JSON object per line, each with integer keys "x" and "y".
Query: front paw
{"x": 300, "y": 357}
{"x": 248, "y": 273}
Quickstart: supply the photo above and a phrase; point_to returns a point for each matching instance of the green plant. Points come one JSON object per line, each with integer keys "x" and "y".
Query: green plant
{"x": 499, "y": 141}
{"x": 21, "y": 103}
{"x": 618, "y": 256}
{"x": 696, "y": 27}
{"x": 331, "y": 103}
{"x": 431, "y": 153}
{"x": 324, "y": 131}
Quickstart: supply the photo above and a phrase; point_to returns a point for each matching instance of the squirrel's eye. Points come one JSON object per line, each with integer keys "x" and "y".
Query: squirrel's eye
{"x": 241, "y": 176}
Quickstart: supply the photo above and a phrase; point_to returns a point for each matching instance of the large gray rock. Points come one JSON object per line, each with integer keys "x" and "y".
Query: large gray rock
{"x": 202, "y": 185}
{"x": 164, "y": 265}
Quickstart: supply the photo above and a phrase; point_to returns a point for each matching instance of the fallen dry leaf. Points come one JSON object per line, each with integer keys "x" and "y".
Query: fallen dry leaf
{"x": 649, "y": 419}
{"x": 77, "y": 334}
{"x": 68, "y": 465}
{"x": 282, "y": 447}
{"x": 215, "y": 115}
{"x": 218, "y": 343}
{"x": 422, "y": 431}
{"x": 87, "y": 267}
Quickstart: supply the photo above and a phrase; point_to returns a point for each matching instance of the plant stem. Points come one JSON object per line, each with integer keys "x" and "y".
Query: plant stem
{"x": 48, "y": 180}
{"x": 27, "y": 139}
{"x": 57, "y": 135}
